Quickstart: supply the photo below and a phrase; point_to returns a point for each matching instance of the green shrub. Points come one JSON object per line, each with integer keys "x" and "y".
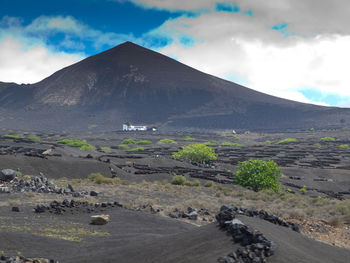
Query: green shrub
{"x": 144, "y": 142}
{"x": 303, "y": 190}
{"x": 258, "y": 175}
{"x": 317, "y": 145}
{"x": 166, "y": 141}
{"x": 106, "y": 149}
{"x": 73, "y": 142}
{"x": 327, "y": 139}
{"x": 287, "y": 140}
{"x": 197, "y": 153}
{"x": 234, "y": 144}
{"x": 34, "y": 138}
{"x": 129, "y": 141}
{"x": 268, "y": 142}
{"x": 137, "y": 149}
{"x": 344, "y": 146}
{"x": 193, "y": 183}
{"x": 87, "y": 147}
{"x": 178, "y": 180}
{"x": 10, "y": 136}
{"x": 123, "y": 147}
{"x": 98, "y": 178}
{"x": 209, "y": 184}
{"x": 189, "y": 138}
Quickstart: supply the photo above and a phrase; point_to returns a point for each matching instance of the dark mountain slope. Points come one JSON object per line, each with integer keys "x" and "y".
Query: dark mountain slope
{"x": 132, "y": 83}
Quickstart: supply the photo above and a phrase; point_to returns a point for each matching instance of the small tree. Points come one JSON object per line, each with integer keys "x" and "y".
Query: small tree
{"x": 258, "y": 175}
{"x": 200, "y": 153}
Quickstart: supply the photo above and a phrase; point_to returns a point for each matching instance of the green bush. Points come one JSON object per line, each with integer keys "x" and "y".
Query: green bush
{"x": 344, "y": 146}
{"x": 327, "y": 139}
{"x": 189, "y": 138}
{"x": 34, "y": 138}
{"x": 258, "y": 175}
{"x": 197, "y": 153}
{"x": 106, "y": 149}
{"x": 303, "y": 190}
{"x": 98, "y": 178}
{"x": 234, "y": 144}
{"x": 166, "y": 141}
{"x": 209, "y": 184}
{"x": 10, "y": 136}
{"x": 123, "y": 147}
{"x": 137, "y": 149}
{"x": 87, "y": 147}
{"x": 178, "y": 180}
{"x": 288, "y": 140}
{"x": 144, "y": 142}
{"x": 73, "y": 142}
{"x": 193, "y": 183}
{"x": 129, "y": 141}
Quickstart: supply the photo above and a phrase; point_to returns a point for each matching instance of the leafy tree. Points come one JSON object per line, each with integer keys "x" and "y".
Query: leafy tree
{"x": 200, "y": 153}
{"x": 258, "y": 175}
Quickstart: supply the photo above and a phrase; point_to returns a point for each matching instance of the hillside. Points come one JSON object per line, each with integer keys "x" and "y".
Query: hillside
{"x": 132, "y": 83}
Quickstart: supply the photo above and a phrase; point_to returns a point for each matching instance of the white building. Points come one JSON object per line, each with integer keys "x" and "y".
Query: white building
{"x": 127, "y": 127}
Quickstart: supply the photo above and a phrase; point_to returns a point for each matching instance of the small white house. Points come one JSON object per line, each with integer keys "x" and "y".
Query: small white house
{"x": 127, "y": 127}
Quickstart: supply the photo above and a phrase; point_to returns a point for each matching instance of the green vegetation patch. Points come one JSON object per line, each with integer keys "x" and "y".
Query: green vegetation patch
{"x": 98, "y": 178}
{"x": 34, "y": 138}
{"x": 106, "y": 149}
{"x": 72, "y": 142}
{"x": 123, "y": 147}
{"x": 201, "y": 153}
{"x": 344, "y": 146}
{"x": 87, "y": 147}
{"x": 166, "y": 140}
{"x": 189, "y": 138}
{"x": 11, "y": 136}
{"x": 234, "y": 144}
{"x": 327, "y": 139}
{"x": 144, "y": 142}
{"x": 128, "y": 141}
{"x": 258, "y": 175}
{"x": 181, "y": 180}
{"x": 137, "y": 149}
{"x": 287, "y": 140}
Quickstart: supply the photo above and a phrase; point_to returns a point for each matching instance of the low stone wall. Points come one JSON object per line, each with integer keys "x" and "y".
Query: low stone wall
{"x": 256, "y": 248}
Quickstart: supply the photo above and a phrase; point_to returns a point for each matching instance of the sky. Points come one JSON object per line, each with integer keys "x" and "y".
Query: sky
{"x": 298, "y": 50}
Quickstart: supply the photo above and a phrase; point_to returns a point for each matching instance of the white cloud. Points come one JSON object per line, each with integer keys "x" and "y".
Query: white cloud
{"x": 26, "y": 56}
{"x": 265, "y": 59}
{"x": 22, "y": 64}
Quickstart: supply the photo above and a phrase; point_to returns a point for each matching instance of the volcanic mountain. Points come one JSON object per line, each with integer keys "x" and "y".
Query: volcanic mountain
{"x": 135, "y": 84}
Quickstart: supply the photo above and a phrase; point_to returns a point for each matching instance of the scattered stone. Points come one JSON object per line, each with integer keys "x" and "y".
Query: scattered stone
{"x": 40, "y": 208}
{"x": 256, "y": 247}
{"x": 93, "y": 193}
{"x": 4, "y": 189}
{"x": 15, "y": 209}
{"x": 99, "y": 219}
{"x": 21, "y": 259}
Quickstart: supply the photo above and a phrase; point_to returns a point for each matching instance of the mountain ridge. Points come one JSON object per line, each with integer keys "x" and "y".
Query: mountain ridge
{"x": 132, "y": 83}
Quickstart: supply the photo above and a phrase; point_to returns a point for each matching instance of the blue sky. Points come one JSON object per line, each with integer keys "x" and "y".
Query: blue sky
{"x": 277, "y": 47}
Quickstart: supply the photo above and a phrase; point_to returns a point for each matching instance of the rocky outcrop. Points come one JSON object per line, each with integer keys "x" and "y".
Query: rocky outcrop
{"x": 99, "y": 219}
{"x": 256, "y": 248}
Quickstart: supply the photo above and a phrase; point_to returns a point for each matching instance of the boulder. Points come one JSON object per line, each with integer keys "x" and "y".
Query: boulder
{"x": 15, "y": 209}
{"x": 93, "y": 193}
{"x": 7, "y": 175}
{"x": 99, "y": 219}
